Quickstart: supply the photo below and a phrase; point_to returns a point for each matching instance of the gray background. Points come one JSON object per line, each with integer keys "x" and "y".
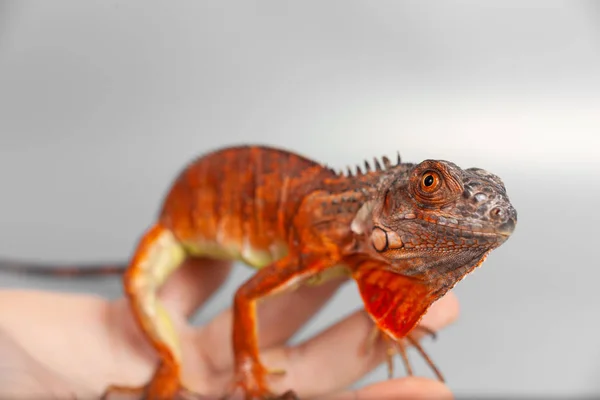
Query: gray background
{"x": 102, "y": 102}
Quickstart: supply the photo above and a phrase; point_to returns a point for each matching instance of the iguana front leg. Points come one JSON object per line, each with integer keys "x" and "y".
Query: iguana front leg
{"x": 399, "y": 346}
{"x": 250, "y": 373}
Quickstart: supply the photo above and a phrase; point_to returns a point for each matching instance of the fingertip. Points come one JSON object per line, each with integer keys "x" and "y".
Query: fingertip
{"x": 442, "y": 313}
{"x": 406, "y": 388}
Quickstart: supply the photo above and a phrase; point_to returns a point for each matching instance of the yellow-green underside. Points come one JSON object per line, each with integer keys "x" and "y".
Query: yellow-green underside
{"x": 257, "y": 258}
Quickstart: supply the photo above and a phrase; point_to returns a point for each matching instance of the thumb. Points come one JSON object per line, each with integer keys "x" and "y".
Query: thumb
{"x": 192, "y": 284}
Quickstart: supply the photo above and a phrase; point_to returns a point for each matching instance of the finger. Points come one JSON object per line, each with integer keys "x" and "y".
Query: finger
{"x": 398, "y": 389}
{"x": 334, "y": 359}
{"x": 441, "y": 314}
{"x": 282, "y": 317}
{"x": 192, "y": 284}
{"x": 278, "y": 319}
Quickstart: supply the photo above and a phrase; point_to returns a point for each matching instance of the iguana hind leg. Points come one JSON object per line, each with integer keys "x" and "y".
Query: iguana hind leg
{"x": 158, "y": 254}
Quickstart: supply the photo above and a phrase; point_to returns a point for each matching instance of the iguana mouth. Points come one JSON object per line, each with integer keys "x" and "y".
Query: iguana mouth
{"x": 507, "y": 228}
{"x": 463, "y": 229}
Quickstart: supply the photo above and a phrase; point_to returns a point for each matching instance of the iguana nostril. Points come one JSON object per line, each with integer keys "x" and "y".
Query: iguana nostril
{"x": 497, "y": 213}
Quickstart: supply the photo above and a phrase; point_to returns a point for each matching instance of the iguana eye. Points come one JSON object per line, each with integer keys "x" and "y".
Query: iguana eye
{"x": 430, "y": 181}
{"x": 435, "y": 183}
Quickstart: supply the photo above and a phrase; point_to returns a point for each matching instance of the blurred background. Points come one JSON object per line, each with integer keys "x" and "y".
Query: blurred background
{"x": 103, "y": 102}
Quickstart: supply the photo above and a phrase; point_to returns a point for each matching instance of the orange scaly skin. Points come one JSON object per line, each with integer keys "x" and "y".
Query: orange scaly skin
{"x": 405, "y": 233}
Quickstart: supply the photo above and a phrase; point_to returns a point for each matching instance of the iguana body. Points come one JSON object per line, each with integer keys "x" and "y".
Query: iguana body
{"x": 406, "y": 233}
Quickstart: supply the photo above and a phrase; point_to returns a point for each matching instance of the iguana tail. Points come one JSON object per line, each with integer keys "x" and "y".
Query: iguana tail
{"x": 60, "y": 270}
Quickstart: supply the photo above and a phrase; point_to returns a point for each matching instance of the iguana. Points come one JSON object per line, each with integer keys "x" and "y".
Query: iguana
{"x": 405, "y": 233}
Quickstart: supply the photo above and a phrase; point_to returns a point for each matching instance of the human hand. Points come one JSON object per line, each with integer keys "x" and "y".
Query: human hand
{"x": 73, "y": 345}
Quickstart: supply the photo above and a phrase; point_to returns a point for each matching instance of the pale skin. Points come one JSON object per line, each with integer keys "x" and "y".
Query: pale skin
{"x": 74, "y": 345}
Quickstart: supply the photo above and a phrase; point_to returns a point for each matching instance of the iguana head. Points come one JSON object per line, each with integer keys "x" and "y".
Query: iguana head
{"x": 435, "y": 217}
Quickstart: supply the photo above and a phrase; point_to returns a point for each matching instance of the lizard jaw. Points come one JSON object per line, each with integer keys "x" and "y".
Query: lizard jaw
{"x": 507, "y": 228}
{"x": 502, "y": 229}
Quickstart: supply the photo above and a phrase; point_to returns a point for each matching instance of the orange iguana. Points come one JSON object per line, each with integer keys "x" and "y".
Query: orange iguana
{"x": 405, "y": 233}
